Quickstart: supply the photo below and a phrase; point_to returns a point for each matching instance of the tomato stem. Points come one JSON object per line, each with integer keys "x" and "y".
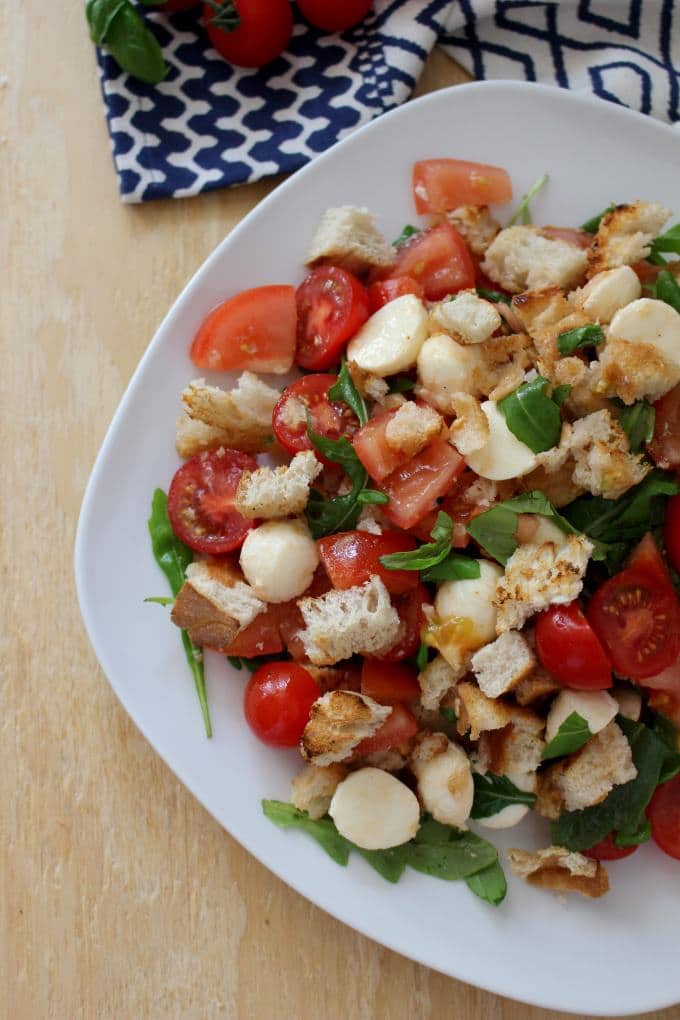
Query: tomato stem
{"x": 226, "y": 16}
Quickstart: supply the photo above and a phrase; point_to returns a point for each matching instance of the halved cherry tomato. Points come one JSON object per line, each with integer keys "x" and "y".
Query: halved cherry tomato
{"x": 438, "y": 259}
{"x": 411, "y": 621}
{"x": 569, "y": 649}
{"x": 262, "y": 31}
{"x": 371, "y": 447}
{"x": 607, "y": 850}
{"x": 201, "y": 501}
{"x": 399, "y": 727}
{"x": 277, "y": 701}
{"x": 443, "y": 184}
{"x": 664, "y": 448}
{"x": 331, "y": 419}
{"x": 332, "y": 305}
{"x": 255, "y": 330}
{"x": 671, "y": 531}
{"x": 334, "y": 17}
{"x": 351, "y": 557}
{"x": 647, "y": 558}
{"x": 663, "y": 812}
{"x": 569, "y": 234}
{"x": 414, "y": 489}
{"x": 383, "y": 291}
{"x": 389, "y": 682}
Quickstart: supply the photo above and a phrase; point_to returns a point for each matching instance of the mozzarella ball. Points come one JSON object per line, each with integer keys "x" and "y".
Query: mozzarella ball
{"x": 629, "y": 702}
{"x": 598, "y": 708}
{"x": 278, "y": 560}
{"x": 374, "y": 810}
{"x": 446, "y": 786}
{"x": 648, "y": 321}
{"x": 444, "y": 368}
{"x": 472, "y": 599}
{"x": 602, "y": 296}
{"x": 391, "y": 339}
{"x": 506, "y": 818}
{"x": 503, "y": 455}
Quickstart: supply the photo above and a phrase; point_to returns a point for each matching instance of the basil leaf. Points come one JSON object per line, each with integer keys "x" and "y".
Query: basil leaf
{"x": 521, "y": 214}
{"x": 494, "y": 295}
{"x": 134, "y": 46}
{"x": 582, "y": 336}
{"x": 593, "y": 225}
{"x": 637, "y": 421}
{"x": 560, "y": 394}
{"x": 493, "y": 793}
{"x": 454, "y": 568}
{"x": 339, "y": 513}
{"x": 668, "y": 289}
{"x": 495, "y": 530}
{"x": 670, "y": 242}
{"x": 345, "y": 391}
{"x": 532, "y": 416}
{"x": 173, "y": 557}
{"x": 322, "y": 830}
{"x": 573, "y": 733}
{"x": 641, "y": 835}
{"x": 428, "y": 555}
{"x": 665, "y": 729}
{"x": 373, "y": 496}
{"x": 408, "y": 232}
{"x": 489, "y": 884}
{"x": 160, "y": 600}
{"x": 100, "y": 14}
{"x": 401, "y": 384}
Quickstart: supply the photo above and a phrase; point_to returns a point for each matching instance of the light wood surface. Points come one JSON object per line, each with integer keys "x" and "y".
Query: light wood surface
{"x": 119, "y": 896}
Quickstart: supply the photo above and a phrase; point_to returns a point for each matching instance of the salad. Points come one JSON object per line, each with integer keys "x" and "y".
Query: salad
{"x": 453, "y": 572}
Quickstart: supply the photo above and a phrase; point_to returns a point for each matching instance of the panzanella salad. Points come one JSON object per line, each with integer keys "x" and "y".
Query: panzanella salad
{"x": 451, "y": 573}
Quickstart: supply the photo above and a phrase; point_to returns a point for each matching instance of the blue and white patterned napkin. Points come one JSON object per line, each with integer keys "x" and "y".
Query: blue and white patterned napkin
{"x": 210, "y": 125}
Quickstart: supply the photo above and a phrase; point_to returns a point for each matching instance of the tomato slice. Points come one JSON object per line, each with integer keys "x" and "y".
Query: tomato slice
{"x": 254, "y": 330}
{"x": 277, "y": 701}
{"x": 569, "y": 649}
{"x": 331, "y": 419}
{"x": 399, "y": 727}
{"x": 201, "y": 501}
{"x": 663, "y": 812}
{"x": 332, "y": 305}
{"x": 443, "y": 184}
{"x": 414, "y": 488}
{"x": 262, "y": 636}
{"x": 438, "y": 259}
{"x": 351, "y": 557}
{"x": 383, "y": 291}
{"x": 389, "y": 682}
{"x": 607, "y": 850}
{"x": 372, "y": 449}
{"x": 412, "y": 620}
{"x": 664, "y": 448}
{"x": 671, "y": 531}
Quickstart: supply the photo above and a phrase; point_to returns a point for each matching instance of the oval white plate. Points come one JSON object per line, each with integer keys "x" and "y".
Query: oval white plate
{"x": 613, "y": 956}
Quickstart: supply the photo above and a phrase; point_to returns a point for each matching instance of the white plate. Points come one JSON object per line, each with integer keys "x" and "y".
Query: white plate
{"x": 613, "y": 956}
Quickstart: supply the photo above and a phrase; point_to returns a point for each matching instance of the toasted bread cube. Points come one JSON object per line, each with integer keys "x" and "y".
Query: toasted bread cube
{"x": 348, "y": 237}
{"x": 625, "y": 235}
{"x": 412, "y": 427}
{"x": 313, "y": 788}
{"x": 603, "y": 463}
{"x": 468, "y": 318}
{"x": 501, "y": 665}
{"x": 279, "y": 492}
{"x": 436, "y": 679}
{"x": 476, "y": 226}
{"x": 560, "y": 870}
{"x": 521, "y": 258}
{"x": 356, "y": 621}
{"x": 214, "y": 604}
{"x": 243, "y": 415}
{"x": 478, "y": 713}
{"x": 635, "y": 371}
{"x": 470, "y": 430}
{"x": 338, "y": 721}
{"x": 586, "y": 777}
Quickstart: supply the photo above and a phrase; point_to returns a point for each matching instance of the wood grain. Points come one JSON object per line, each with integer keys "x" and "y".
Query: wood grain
{"x": 120, "y": 897}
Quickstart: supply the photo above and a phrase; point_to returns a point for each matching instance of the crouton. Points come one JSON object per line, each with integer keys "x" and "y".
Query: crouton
{"x": 513, "y": 752}
{"x": 368, "y": 385}
{"x": 371, "y": 520}
{"x": 411, "y": 428}
{"x": 214, "y": 604}
{"x": 357, "y": 621}
{"x": 625, "y": 235}
{"x": 313, "y": 788}
{"x": 538, "y": 576}
{"x": 436, "y": 679}
{"x": 535, "y": 687}
{"x": 603, "y": 463}
{"x": 501, "y": 665}
{"x": 585, "y": 380}
{"x": 243, "y": 414}
{"x": 634, "y": 371}
{"x": 280, "y": 492}
{"x": 476, "y": 226}
{"x": 467, "y": 318}
{"x": 192, "y": 437}
{"x": 470, "y": 430}
{"x": 478, "y": 713}
{"x": 560, "y": 870}
{"x": 504, "y": 360}
{"x": 348, "y": 237}
{"x": 587, "y": 776}
{"x": 545, "y": 314}
{"x": 338, "y": 721}
{"x": 521, "y": 258}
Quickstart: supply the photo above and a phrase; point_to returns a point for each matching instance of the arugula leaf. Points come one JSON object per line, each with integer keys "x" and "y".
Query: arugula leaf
{"x": 427, "y": 555}
{"x": 593, "y": 225}
{"x": 118, "y": 26}
{"x": 641, "y": 835}
{"x": 448, "y": 853}
{"x": 560, "y": 394}
{"x": 455, "y": 567}
{"x": 668, "y": 289}
{"x": 669, "y": 242}
{"x": 339, "y": 513}
{"x": 401, "y": 384}
{"x": 582, "y": 336}
{"x": 373, "y": 496}
{"x": 173, "y": 557}
{"x": 495, "y": 530}
{"x": 493, "y": 793}
{"x": 521, "y": 213}
{"x": 494, "y": 295}
{"x": 389, "y": 864}
{"x": 532, "y": 416}
{"x": 489, "y": 884}
{"x": 573, "y": 733}
{"x": 323, "y": 830}
{"x": 408, "y": 231}
{"x": 637, "y": 421}
{"x": 345, "y": 391}
{"x": 160, "y": 600}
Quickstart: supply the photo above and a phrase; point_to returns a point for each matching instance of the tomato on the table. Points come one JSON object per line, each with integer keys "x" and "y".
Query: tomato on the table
{"x": 330, "y": 418}
{"x": 569, "y": 649}
{"x": 664, "y": 448}
{"x": 414, "y": 488}
{"x": 351, "y": 557}
{"x": 255, "y": 330}
{"x": 389, "y": 682}
{"x": 331, "y": 306}
{"x": 383, "y": 291}
{"x": 201, "y": 501}
{"x": 277, "y": 701}
{"x": 249, "y": 33}
{"x": 671, "y": 531}
{"x": 663, "y": 812}
{"x": 443, "y": 184}
{"x": 409, "y": 606}
{"x": 607, "y": 850}
{"x": 372, "y": 448}
{"x": 336, "y": 16}
{"x": 399, "y": 727}
{"x": 438, "y": 259}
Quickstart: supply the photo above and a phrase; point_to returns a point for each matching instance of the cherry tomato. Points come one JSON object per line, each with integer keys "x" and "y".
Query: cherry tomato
{"x": 277, "y": 702}
{"x": 389, "y": 682}
{"x": 372, "y": 449}
{"x": 568, "y": 648}
{"x": 664, "y": 448}
{"x": 461, "y": 504}
{"x": 332, "y": 305}
{"x": 201, "y": 501}
{"x": 262, "y": 32}
{"x": 254, "y": 330}
{"x": 578, "y": 237}
{"x": 664, "y": 816}
{"x": 331, "y": 419}
{"x": 647, "y": 558}
{"x": 383, "y": 291}
{"x": 671, "y": 531}
{"x": 412, "y": 619}
{"x": 607, "y": 850}
{"x": 351, "y": 557}
{"x": 438, "y": 259}
{"x": 336, "y": 16}
{"x": 414, "y": 488}
{"x": 399, "y": 727}
{"x": 443, "y": 184}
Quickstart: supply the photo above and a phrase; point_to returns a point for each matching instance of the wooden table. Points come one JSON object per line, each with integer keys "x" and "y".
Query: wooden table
{"x": 120, "y": 897}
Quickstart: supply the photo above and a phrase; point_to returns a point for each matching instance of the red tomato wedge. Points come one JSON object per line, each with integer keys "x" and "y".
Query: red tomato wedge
{"x": 277, "y": 702}
{"x": 443, "y": 184}
{"x": 438, "y": 259}
{"x": 253, "y": 331}
{"x": 370, "y": 444}
{"x": 201, "y": 501}
{"x": 607, "y": 850}
{"x": 414, "y": 488}
{"x": 664, "y": 816}
{"x": 664, "y": 448}
{"x": 383, "y": 291}
{"x": 399, "y": 727}
{"x": 647, "y": 558}
{"x": 262, "y": 636}
{"x": 351, "y": 557}
{"x": 671, "y": 531}
{"x": 329, "y": 418}
{"x": 461, "y": 505}
{"x": 331, "y": 306}
{"x": 389, "y": 682}
{"x": 569, "y": 649}
{"x": 412, "y": 619}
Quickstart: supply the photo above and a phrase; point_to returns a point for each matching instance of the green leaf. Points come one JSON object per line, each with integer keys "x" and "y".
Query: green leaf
{"x": 340, "y": 513}
{"x": 134, "y": 46}
{"x": 573, "y": 733}
{"x": 494, "y": 295}
{"x": 493, "y": 793}
{"x": 427, "y": 555}
{"x": 637, "y": 421}
{"x": 422, "y": 656}
{"x": 532, "y": 416}
{"x": 521, "y": 213}
{"x": 455, "y": 567}
{"x": 444, "y": 852}
{"x": 406, "y": 233}
{"x": 669, "y": 242}
{"x": 448, "y": 714}
{"x": 582, "y": 336}
{"x": 593, "y": 225}
{"x": 668, "y": 289}
{"x": 489, "y": 884}
{"x": 322, "y": 830}
{"x": 373, "y": 496}
{"x": 641, "y": 835}
{"x": 560, "y": 394}
{"x": 226, "y": 16}
{"x": 389, "y": 864}
{"x": 496, "y": 529}
{"x": 235, "y": 661}
{"x": 345, "y": 391}
{"x": 401, "y": 384}
{"x": 100, "y": 14}
{"x": 160, "y": 600}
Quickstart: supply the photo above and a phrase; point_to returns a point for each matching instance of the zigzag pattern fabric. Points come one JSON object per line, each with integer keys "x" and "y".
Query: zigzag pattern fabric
{"x": 211, "y": 125}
